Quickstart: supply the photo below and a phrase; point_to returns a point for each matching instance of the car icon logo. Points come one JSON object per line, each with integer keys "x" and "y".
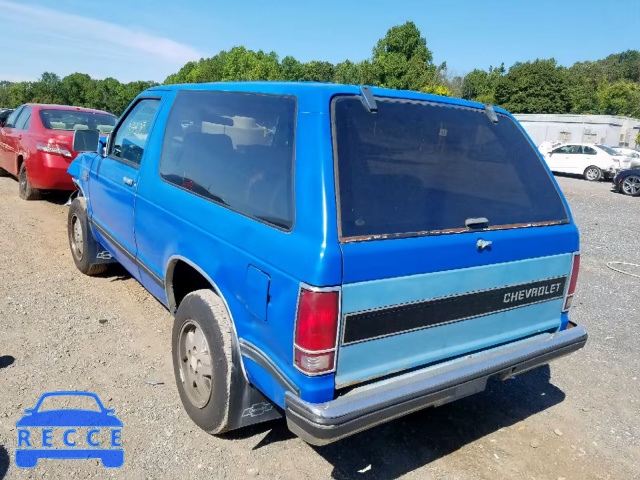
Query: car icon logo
{"x": 69, "y": 433}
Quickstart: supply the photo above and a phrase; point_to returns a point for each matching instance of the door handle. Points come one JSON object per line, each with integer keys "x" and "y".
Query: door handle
{"x": 128, "y": 181}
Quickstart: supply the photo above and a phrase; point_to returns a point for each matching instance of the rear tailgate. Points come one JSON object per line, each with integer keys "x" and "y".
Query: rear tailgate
{"x": 413, "y": 319}
{"x": 453, "y": 234}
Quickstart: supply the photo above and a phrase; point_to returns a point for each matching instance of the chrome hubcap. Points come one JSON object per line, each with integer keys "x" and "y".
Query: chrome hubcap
{"x": 195, "y": 364}
{"x": 631, "y": 185}
{"x": 77, "y": 243}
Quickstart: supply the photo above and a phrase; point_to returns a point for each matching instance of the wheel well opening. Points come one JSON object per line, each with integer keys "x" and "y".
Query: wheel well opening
{"x": 20, "y": 161}
{"x": 186, "y": 279}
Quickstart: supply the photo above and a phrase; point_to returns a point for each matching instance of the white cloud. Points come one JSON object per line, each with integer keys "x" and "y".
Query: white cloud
{"x": 15, "y": 78}
{"x": 77, "y": 31}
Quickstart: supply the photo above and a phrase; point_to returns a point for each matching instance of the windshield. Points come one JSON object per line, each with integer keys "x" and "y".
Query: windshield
{"x": 609, "y": 150}
{"x": 416, "y": 168}
{"x": 69, "y": 402}
{"x": 75, "y": 120}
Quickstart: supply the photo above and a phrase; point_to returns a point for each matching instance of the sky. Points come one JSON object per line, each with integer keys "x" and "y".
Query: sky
{"x": 150, "y": 39}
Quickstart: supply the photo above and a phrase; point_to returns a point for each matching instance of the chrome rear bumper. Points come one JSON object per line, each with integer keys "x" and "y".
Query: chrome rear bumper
{"x": 371, "y": 405}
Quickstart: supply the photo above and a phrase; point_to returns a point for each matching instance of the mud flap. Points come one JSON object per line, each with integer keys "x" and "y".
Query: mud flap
{"x": 247, "y": 405}
{"x": 97, "y": 253}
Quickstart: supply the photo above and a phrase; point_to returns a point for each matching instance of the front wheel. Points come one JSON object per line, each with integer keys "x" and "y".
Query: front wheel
{"x": 202, "y": 359}
{"x": 83, "y": 245}
{"x": 631, "y": 185}
{"x": 593, "y": 174}
{"x": 25, "y": 190}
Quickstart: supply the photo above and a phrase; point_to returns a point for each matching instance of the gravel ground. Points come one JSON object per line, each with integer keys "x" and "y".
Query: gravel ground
{"x": 61, "y": 330}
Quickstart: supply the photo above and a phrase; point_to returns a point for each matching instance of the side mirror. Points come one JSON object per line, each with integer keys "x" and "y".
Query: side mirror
{"x": 86, "y": 140}
{"x": 102, "y": 145}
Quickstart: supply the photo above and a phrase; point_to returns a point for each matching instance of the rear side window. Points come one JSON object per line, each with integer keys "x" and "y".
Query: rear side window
{"x": 235, "y": 149}
{"x": 416, "y": 168}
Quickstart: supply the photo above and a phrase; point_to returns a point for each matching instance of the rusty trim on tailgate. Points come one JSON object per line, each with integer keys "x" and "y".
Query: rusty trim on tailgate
{"x": 426, "y": 233}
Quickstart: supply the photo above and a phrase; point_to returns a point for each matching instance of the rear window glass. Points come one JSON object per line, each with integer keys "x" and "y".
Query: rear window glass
{"x": 235, "y": 149}
{"x": 416, "y": 168}
{"x": 609, "y": 150}
{"x": 74, "y": 120}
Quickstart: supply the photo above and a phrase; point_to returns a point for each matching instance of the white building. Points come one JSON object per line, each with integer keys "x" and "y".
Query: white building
{"x": 609, "y": 130}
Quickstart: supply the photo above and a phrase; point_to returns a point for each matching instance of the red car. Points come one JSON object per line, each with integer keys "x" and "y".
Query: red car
{"x": 36, "y": 141}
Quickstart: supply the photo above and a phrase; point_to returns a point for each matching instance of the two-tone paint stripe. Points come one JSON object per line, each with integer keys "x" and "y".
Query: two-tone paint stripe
{"x": 397, "y": 319}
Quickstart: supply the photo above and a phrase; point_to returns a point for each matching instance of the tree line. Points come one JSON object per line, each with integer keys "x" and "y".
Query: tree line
{"x": 400, "y": 60}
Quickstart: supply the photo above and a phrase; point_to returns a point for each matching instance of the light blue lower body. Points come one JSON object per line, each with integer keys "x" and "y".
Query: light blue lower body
{"x": 375, "y": 358}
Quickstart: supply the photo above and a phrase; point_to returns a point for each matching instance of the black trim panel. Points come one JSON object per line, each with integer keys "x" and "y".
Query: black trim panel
{"x": 250, "y": 351}
{"x": 363, "y": 326}
{"x": 155, "y": 277}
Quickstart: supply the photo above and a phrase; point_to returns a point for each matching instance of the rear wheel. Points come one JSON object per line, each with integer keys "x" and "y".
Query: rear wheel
{"x": 593, "y": 173}
{"x": 81, "y": 240}
{"x": 25, "y": 190}
{"x": 202, "y": 359}
{"x": 631, "y": 185}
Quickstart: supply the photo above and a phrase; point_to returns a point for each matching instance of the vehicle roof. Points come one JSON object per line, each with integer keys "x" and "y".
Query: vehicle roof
{"x": 315, "y": 96}
{"x": 581, "y": 143}
{"x": 51, "y": 106}
{"x": 68, "y": 392}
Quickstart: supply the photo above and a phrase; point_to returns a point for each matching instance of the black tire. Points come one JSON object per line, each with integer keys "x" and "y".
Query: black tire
{"x": 205, "y": 310}
{"x": 593, "y": 174}
{"x": 25, "y": 190}
{"x": 78, "y": 229}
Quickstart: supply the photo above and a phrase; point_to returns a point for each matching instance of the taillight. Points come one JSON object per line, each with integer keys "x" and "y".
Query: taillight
{"x": 316, "y": 332}
{"x": 568, "y": 299}
{"x": 55, "y": 147}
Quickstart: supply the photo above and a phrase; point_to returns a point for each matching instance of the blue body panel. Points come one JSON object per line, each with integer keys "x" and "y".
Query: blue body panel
{"x": 624, "y": 174}
{"x": 257, "y": 269}
{"x": 112, "y": 209}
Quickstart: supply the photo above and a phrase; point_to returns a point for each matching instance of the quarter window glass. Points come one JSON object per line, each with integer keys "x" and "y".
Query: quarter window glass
{"x": 11, "y": 121}
{"x": 235, "y": 149}
{"x": 24, "y": 120}
{"x": 608, "y": 150}
{"x": 131, "y": 137}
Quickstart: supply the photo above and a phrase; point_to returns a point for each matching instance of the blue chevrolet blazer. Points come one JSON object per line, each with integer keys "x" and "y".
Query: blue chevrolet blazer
{"x": 338, "y": 255}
